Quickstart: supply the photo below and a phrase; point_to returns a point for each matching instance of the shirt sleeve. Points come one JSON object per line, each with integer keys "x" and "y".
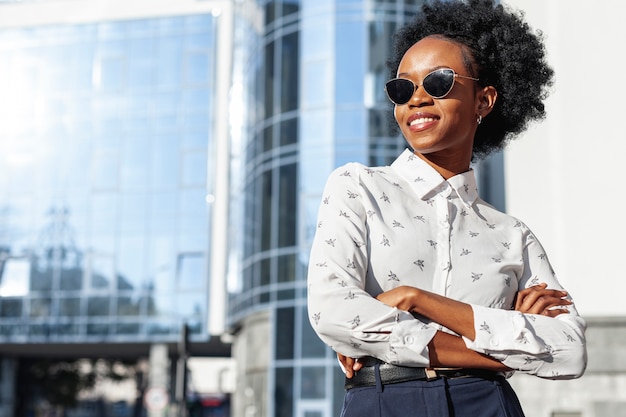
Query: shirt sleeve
{"x": 552, "y": 348}
{"x": 342, "y": 312}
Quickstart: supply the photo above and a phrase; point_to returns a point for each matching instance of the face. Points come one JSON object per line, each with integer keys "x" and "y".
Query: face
{"x": 439, "y": 128}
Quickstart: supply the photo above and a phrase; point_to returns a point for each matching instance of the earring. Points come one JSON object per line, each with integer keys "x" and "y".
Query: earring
{"x": 480, "y": 119}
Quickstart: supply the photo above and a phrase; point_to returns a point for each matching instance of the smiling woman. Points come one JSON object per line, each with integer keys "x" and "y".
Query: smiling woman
{"x": 430, "y": 296}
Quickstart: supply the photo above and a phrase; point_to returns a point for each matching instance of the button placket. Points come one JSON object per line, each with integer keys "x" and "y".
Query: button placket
{"x": 443, "y": 239}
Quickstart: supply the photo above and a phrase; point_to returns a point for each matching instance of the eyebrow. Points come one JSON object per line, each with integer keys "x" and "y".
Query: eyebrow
{"x": 429, "y": 70}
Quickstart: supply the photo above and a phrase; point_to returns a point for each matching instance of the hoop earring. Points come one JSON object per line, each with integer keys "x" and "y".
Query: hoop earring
{"x": 480, "y": 119}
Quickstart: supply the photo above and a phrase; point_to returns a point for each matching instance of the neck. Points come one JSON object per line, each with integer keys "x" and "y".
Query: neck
{"x": 446, "y": 166}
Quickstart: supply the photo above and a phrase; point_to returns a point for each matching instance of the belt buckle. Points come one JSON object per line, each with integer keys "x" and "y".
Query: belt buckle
{"x": 431, "y": 374}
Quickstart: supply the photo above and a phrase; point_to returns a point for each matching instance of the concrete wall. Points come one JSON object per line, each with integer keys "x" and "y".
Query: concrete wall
{"x": 563, "y": 178}
{"x": 251, "y": 352}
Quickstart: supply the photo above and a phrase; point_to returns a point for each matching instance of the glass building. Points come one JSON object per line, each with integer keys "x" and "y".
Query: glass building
{"x": 110, "y": 178}
{"x": 307, "y": 89}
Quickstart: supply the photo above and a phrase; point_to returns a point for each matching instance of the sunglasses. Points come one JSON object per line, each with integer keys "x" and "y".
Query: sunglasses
{"x": 437, "y": 84}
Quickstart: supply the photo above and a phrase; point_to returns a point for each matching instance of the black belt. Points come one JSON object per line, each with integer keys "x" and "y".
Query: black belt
{"x": 392, "y": 374}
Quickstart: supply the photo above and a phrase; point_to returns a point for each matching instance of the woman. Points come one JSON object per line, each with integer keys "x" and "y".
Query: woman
{"x": 429, "y": 295}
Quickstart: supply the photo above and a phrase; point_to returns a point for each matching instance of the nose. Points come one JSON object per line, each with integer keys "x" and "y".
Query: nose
{"x": 420, "y": 97}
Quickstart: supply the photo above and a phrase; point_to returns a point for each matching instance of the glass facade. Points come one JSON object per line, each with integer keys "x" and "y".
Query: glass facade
{"x": 106, "y": 179}
{"x": 308, "y": 90}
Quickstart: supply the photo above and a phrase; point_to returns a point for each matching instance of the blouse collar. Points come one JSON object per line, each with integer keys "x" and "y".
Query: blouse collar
{"x": 426, "y": 181}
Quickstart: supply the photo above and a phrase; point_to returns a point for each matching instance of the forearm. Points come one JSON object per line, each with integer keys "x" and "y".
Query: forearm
{"x": 449, "y": 351}
{"x": 454, "y": 315}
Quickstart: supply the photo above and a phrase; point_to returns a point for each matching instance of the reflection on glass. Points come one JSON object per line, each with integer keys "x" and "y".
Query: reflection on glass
{"x": 108, "y": 122}
{"x": 128, "y": 305}
{"x": 98, "y": 306}
{"x": 285, "y": 336}
{"x": 69, "y": 307}
{"x": 283, "y": 394}
{"x": 40, "y": 307}
{"x": 194, "y": 168}
{"x": 190, "y": 305}
{"x": 287, "y": 205}
{"x": 313, "y": 383}
{"x": 197, "y": 68}
{"x": 190, "y": 271}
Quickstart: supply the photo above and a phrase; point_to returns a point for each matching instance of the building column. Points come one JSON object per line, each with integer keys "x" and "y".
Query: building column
{"x": 157, "y": 398}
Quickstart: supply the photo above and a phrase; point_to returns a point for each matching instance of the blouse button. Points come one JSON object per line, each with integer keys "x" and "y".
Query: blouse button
{"x": 409, "y": 340}
{"x": 494, "y": 341}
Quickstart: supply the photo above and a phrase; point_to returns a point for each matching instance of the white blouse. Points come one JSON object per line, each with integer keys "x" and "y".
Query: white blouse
{"x": 403, "y": 224}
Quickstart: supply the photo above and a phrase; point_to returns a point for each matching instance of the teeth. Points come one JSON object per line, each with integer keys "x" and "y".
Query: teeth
{"x": 422, "y": 120}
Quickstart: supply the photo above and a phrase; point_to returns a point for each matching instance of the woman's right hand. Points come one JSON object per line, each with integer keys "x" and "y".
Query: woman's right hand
{"x": 540, "y": 300}
{"x": 349, "y": 365}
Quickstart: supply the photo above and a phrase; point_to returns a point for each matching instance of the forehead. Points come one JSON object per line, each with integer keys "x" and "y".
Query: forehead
{"x": 431, "y": 53}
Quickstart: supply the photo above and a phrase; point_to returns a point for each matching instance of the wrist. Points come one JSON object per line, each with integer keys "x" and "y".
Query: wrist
{"x": 415, "y": 300}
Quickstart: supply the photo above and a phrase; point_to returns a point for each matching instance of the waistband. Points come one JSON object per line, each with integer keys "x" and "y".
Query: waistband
{"x": 392, "y": 374}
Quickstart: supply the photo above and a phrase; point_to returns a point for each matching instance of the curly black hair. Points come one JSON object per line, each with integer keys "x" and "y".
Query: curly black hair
{"x": 504, "y": 53}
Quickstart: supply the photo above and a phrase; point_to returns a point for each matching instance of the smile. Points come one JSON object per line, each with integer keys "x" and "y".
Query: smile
{"x": 421, "y": 120}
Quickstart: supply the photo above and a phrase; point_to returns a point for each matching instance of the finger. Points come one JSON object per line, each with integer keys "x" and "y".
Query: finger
{"x": 520, "y": 296}
{"x": 555, "y": 312}
{"x": 349, "y": 365}
{"x": 343, "y": 360}
{"x": 535, "y": 299}
{"x": 543, "y": 302}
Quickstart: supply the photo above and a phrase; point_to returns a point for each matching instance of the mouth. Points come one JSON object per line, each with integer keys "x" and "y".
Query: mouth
{"x": 421, "y": 121}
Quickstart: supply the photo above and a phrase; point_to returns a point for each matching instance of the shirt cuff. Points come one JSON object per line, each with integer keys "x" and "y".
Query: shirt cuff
{"x": 499, "y": 332}
{"x": 409, "y": 341}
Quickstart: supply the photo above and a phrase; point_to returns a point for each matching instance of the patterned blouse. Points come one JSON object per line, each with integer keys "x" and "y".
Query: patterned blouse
{"x": 379, "y": 228}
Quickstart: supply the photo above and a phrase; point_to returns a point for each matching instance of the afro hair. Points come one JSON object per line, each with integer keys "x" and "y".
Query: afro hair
{"x": 506, "y": 54}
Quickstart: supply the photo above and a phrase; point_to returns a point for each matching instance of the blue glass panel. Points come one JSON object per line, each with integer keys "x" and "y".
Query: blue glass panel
{"x": 128, "y": 305}
{"x": 350, "y": 49}
{"x": 165, "y": 163}
{"x": 136, "y": 163}
{"x": 40, "y": 307}
{"x": 169, "y": 59}
{"x": 104, "y": 213}
{"x": 196, "y": 99}
{"x": 98, "y": 306}
{"x": 161, "y": 262}
{"x": 191, "y": 271}
{"x": 171, "y": 25}
{"x": 69, "y": 307}
{"x": 315, "y": 74}
{"x": 102, "y": 264}
{"x": 193, "y": 202}
{"x": 195, "y": 139}
{"x": 131, "y": 262}
{"x": 193, "y": 233}
{"x": 133, "y": 214}
{"x": 194, "y": 169}
{"x": 161, "y": 305}
{"x": 197, "y": 68}
{"x": 112, "y": 73}
{"x": 200, "y": 23}
{"x": 191, "y": 305}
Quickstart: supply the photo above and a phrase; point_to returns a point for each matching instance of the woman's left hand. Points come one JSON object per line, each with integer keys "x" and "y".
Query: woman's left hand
{"x": 540, "y": 300}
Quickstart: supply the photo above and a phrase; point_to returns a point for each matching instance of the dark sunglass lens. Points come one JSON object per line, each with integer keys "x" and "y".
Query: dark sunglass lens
{"x": 400, "y": 90}
{"x": 439, "y": 83}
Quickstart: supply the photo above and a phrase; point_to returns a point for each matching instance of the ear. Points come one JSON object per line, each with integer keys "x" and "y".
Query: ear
{"x": 485, "y": 100}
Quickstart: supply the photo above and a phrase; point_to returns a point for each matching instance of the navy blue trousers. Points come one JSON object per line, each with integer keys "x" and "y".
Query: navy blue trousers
{"x": 460, "y": 397}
